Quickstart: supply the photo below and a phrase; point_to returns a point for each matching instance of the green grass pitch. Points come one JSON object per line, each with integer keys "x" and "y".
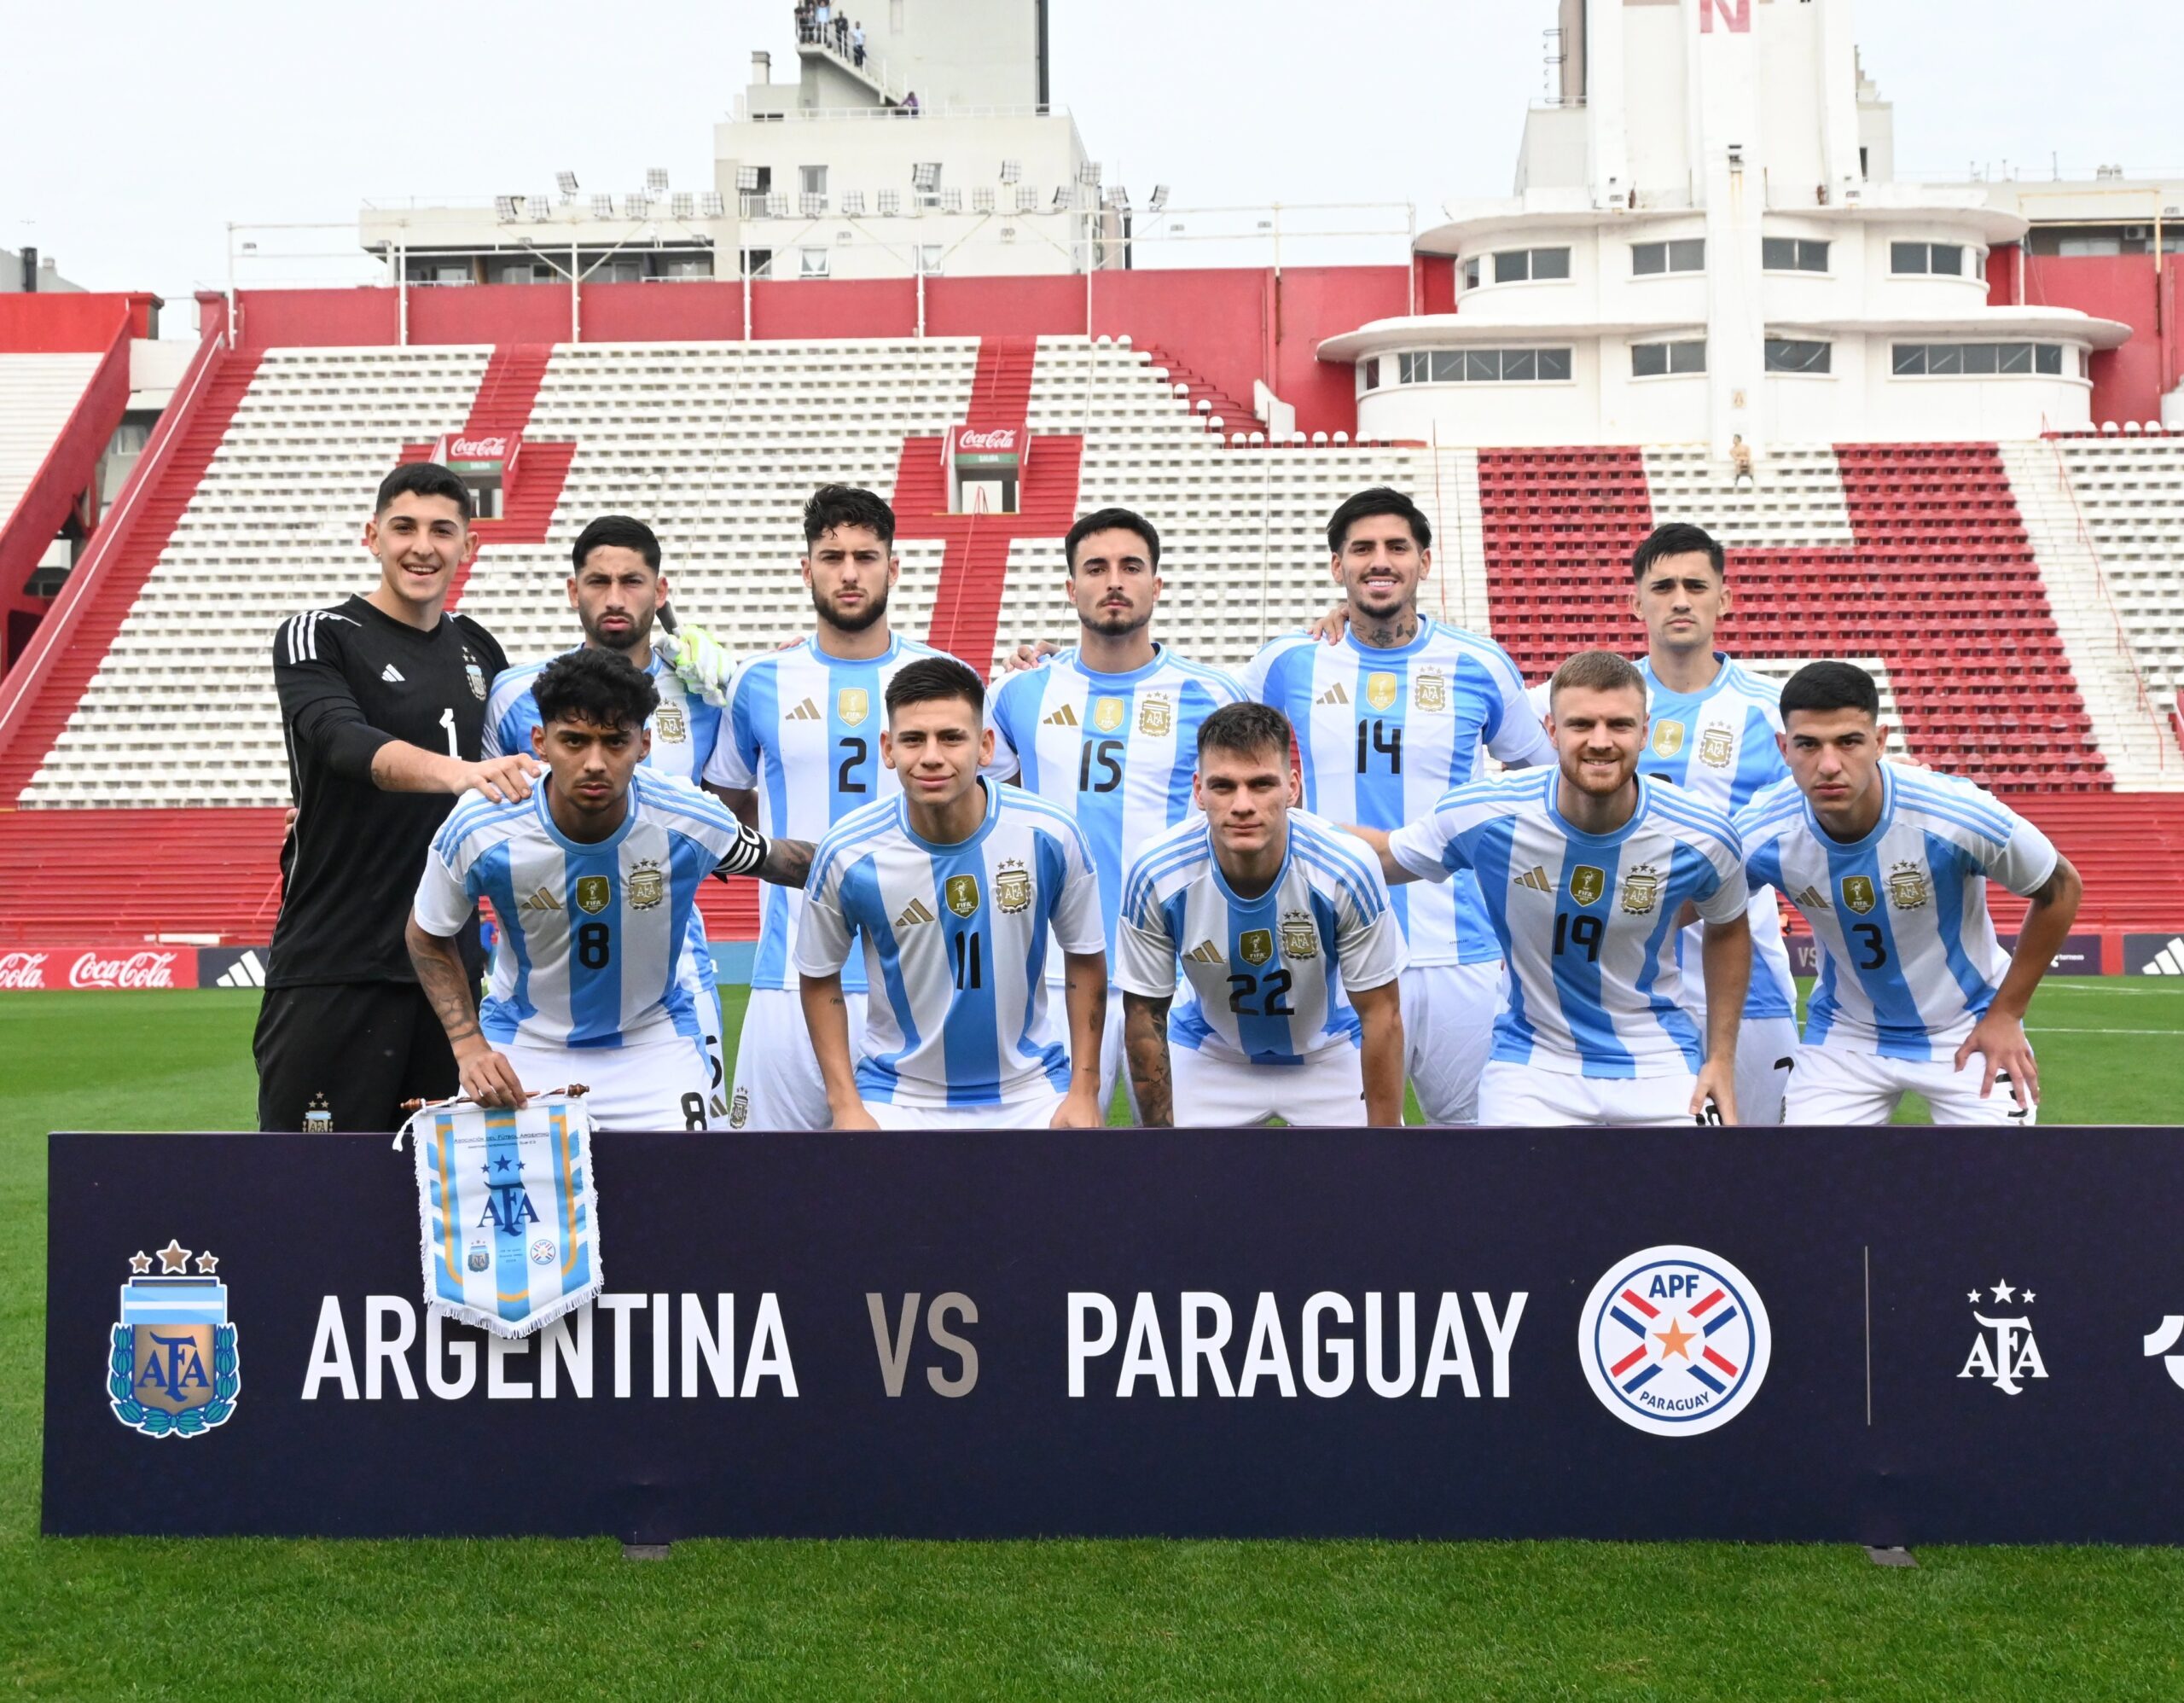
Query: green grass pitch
{"x": 462, "y": 1619}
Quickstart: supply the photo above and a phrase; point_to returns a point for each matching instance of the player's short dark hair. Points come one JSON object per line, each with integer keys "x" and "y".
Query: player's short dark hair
{"x": 1245, "y": 731}
{"x": 616, "y": 532}
{"x": 1379, "y": 499}
{"x": 847, "y": 505}
{"x": 1110, "y": 520}
{"x": 931, "y": 678}
{"x": 1677, "y": 537}
{"x": 1825, "y": 686}
{"x": 601, "y": 687}
{"x": 423, "y": 478}
{"x": 1597, "y": 670}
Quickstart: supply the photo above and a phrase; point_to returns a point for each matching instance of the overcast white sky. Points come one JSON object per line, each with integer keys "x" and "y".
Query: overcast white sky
{"x": 253, "y": 111}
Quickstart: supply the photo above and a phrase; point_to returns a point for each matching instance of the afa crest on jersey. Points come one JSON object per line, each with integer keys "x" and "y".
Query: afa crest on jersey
{"x": 593, "y": 892}
{"x": 646, "y": 885}
{"x": 1381, "y": 690}
{"x": 1717, "y": 747}
{"x": 1642, "y": 890}
{"x": 1300, "y": 936}
{"x": 1907, "y": 887}
{"x": 173, "y": 1368}
{"x": 1256, "y": 947}
{"x": 962, "y": 893}
{"x": 852, "y": 704}
{"x": 1857, "y": 894}
{"x": 1587, "y": 883}
{"x": 476, "y": 676}
{"x": 668, "y": 722}
{"x": 1429, "y": 690}
{"x": 1107, "y": 714}
{"x": 1012, "y": 887}
{"x": 1668, "y": 738}
{"x": 1156, "y": 716}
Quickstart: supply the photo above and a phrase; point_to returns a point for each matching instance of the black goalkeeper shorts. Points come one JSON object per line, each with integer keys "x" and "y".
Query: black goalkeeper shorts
{"x": 345, "y": 1055}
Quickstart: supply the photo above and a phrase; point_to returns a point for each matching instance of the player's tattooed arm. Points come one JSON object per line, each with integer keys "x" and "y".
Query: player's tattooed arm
{"x": 1998, "y": 1037}
{"x": 1084, "y": 995}
{"x": 485, "y": 1075}
{"x": 788, "y": 862}
{"x": 1144, "y": 1042}
{"x": 827, "y": 1020}
{"x": 742, "y": 800}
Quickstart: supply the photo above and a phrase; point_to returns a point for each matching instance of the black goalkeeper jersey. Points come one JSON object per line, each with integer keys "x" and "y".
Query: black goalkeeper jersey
{"x": 351, "y": 679}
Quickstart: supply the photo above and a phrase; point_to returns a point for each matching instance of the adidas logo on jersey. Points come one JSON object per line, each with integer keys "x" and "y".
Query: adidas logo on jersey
{"x": 1811, "y": 899}
{"x": 805, "y": 712}
{"x": 1536, "y": 878}
{"x": 1064, "y": 717}
{"x": 917, "y": 910}
{"x": 1334, "y": 694}
{"x": 392, "y": 675}
{"x": 540, "y": 899}
{"x": 1205, "y": 952}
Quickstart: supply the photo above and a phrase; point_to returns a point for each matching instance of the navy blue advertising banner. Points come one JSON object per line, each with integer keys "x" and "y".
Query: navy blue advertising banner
{"x": 1885, "y": 1336}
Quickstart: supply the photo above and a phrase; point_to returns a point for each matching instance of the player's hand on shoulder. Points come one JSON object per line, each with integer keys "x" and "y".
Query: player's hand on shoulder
{"x": 1029, "y": 655}
{"x": 489, "y": 1078}
{"x": 703, "y": 664}
{"x": 1331, "y": 626}
{"x": 502, "y": 779}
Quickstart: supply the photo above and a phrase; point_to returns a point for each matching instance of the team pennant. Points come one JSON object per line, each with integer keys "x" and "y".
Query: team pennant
{"x": 507, "y": 1214}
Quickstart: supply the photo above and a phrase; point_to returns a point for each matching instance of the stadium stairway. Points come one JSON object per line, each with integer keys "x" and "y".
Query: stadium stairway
{"x": 507, "y": 394}
{"x": 1235, "y": 415}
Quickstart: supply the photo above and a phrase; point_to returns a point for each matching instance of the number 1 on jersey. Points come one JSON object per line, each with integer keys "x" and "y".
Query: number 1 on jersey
{"x": 447, "y": 726}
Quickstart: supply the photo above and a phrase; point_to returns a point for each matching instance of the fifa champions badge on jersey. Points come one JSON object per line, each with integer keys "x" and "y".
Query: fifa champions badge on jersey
{"x": 1012, "y": 887}
{"x": 1587, "y": 883}
{"x": 1156, "y": 716}
{"x": 962, "y": 893}
{"x": 1674, "y": 1340}
{"x": 1256, "y": 947}
{"x": 1108, "y": 713}
{"x": 645, "y": 886}
{"x": 852, "y": 704}
{"x": 1642, "y": 890}
{"x": 668, "y": 722}
{"x": 1857, "y": 894}
{"x": 1300, "y": 936}
{"x": 1429, "y": 690}
{"x": 1907, "y": 888}
{"x": 1381, "y": 690}
{"x": 593, "y": 892}
{"x": 1668, "y": 738}
{"x": 1717, "y": 746}
{"x": 172, "y": 1365}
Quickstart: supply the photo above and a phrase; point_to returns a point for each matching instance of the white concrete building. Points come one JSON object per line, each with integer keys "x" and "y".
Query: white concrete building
{"x": 1706, "y": 242}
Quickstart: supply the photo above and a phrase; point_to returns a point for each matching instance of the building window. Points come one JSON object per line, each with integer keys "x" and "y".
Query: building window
{"x": 1531, "y": 265}
{"x": 1794, "y": 355}
{"x": 813, "y": 262}
{"x": 1977, "y": 360}
{"x": 811, "y": 180}
{"x": 929, "y": 259}
{"x": 1372, "y": 370}
{"x": 1687, "y": 254}
{"x": 1659, "y": 360}
{"x": 1483, "y": 366}
{"x": 1944, "y": 259}
{"x": 1792, "y": 254}
{"x": 1471, "y": 272}
{"x": 758, "y": 263}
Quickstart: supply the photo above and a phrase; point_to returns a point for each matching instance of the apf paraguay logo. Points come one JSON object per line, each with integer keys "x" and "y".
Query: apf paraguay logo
{"x": 171, "y": 1366}
{"x": 1674, "y": 1340}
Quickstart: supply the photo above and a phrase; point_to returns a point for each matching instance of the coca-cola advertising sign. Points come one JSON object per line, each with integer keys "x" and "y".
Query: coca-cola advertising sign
{"x": 987, "y": 446}
{"x": 485, "y": 452}
{"x": 112, "y": 969}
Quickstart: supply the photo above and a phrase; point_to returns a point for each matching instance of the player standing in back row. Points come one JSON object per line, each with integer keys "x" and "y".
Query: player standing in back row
{"x": 1108, "y": 729}
{"x": 799, "y": 752}
{"x": 383, "y": 709}
{"x": 1388, "y": 716}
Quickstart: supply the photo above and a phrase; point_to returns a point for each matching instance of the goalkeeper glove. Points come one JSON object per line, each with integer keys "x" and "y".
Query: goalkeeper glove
{"x": 702, "y": 665}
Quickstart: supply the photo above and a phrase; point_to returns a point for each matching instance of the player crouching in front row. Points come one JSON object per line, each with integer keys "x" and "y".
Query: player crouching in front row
{"x": 593, "y": 879}
{"x": 1289, "y": 947}
{"x": 1586, "y": 870}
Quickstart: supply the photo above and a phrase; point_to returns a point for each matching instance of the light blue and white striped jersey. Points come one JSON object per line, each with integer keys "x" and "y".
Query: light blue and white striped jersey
{"x": 1266, "y": 977}
{"x": 1586, "y": 921}
{"x": 684, "y": 728}
{"x": 1909, "y": 958}
{"x": 955, "y": 939}
{"x": 1383, "y": 734}
{"x": 591, "y": 939}
{"x": 803, "y": 732}
{"x": 1719, "y": 744}
{"x": 1116, "y": 750}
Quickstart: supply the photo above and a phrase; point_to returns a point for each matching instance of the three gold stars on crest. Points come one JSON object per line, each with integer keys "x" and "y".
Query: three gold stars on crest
{"x": 173, "y": 1258}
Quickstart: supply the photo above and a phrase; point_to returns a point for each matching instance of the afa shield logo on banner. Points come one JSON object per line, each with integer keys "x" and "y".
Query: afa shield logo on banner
{"x": 1674, "y": 1341}
{"x": 173, "y": 1368}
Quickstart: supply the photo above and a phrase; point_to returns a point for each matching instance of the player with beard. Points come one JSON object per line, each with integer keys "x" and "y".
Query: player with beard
{"x": 1108, "y": 729}
{"x": 1584, "y": 869}
{"x": 617, "y": 588}
{"x": 799, "y": 749}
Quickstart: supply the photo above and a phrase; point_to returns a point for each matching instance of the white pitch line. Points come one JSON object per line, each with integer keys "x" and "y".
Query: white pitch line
{"x": 2177, "y": 1034}
{"x": 2102, "y": 985}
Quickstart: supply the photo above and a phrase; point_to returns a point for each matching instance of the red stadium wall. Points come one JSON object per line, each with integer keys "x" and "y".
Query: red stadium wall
{"x": 72, "y": 324}
{"x": 2129, "y": 382}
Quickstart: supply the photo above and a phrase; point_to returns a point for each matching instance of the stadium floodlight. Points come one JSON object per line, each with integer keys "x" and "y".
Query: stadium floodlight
{"x": 890, "y": 203}
{"x": 1061, "y": 199}
{"x": 1118, "y": 198}
{"x": 684, "y": 205}
{"x": 566, "y": 181}
{"x": 635, "y": 204}
{"x": 505, "y": 206}
{"x": 602, "y": 206}
{"x": 811, "y": 205}
{"x": 1159, "y": 197}
{"x": 777, "y": 204}
{"x": 542, "y": 209}
{"x": 1027, "y": 198}
{"x": 710, "y": 205}
{"x": 951, "y": 201}
{"x": 656, "y": 179}
{"x": 1011, "y": 171}
{"x": 1087, "y": 173}
{"x": 852, "y": 204}
{"x": 925, "y": 176}
{"x": 747, "y": 178}
{"x": 982, "y": 199}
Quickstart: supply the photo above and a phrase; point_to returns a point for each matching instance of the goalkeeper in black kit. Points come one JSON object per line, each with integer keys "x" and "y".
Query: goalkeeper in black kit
{"x": 383, "y": 708}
